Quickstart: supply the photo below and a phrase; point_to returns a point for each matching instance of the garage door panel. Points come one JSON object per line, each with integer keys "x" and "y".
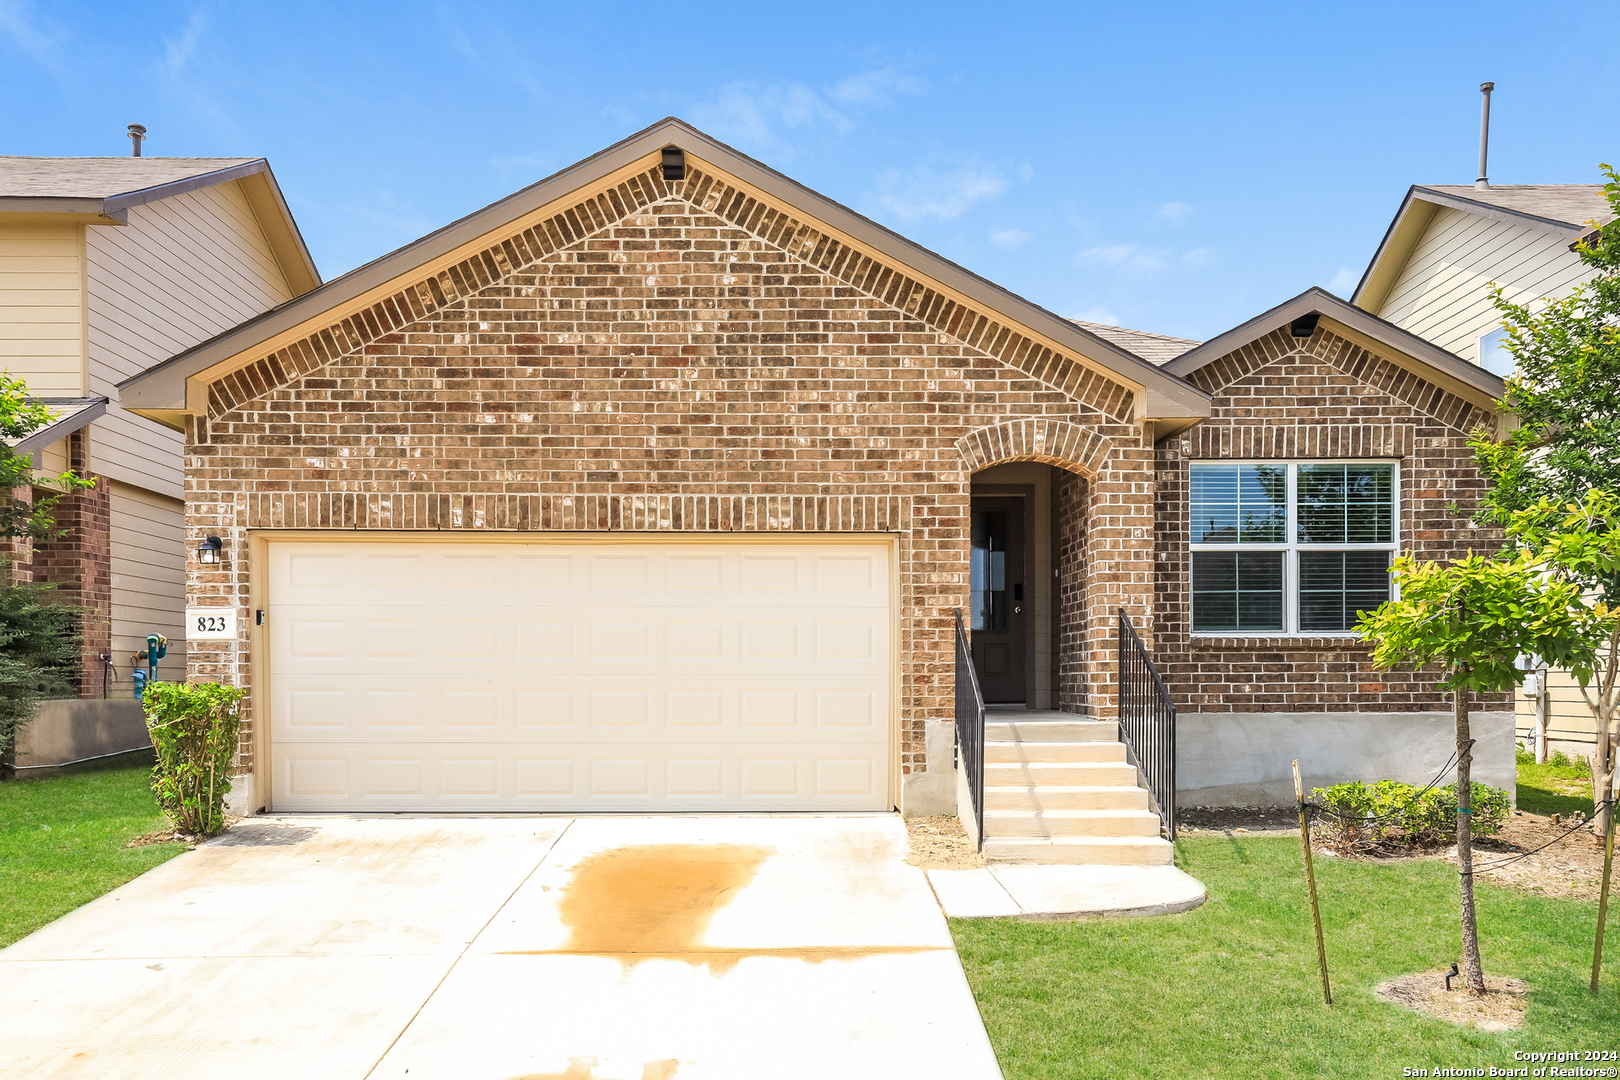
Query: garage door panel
{"x": 569, "y": 775}
{"x": 469, "y": 640}
{"x": 565, "y": 676}
{"x": 419, "y": 707}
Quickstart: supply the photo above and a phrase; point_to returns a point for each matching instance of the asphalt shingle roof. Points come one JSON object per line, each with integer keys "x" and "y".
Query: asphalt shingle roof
{"x": 1573, "y": 204}
{"x": 1154, "y": 348}
{"x": 99, "y": 177}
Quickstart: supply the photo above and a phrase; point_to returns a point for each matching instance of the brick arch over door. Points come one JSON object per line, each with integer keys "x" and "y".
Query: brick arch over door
{"x": 1058, "y": 443}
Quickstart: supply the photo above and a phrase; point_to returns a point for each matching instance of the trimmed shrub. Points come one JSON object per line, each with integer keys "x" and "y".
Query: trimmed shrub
{"x": 194, "y": 728}
{"x": 1390, "y": 814}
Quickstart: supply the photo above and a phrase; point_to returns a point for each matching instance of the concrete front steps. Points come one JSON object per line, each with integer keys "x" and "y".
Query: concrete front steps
{"x": 1058, "y": 789}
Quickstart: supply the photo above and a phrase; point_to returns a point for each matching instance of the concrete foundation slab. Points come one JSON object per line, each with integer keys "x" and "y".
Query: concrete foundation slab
{"x": 1244, "y": 759}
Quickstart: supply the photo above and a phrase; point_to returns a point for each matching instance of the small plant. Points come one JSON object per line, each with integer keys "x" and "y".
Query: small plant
{"x": 194, "y": 728}
{"x": 1390, "y": 815}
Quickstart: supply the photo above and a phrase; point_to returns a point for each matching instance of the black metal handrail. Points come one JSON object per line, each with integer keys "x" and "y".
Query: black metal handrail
{"x": 970, "y": 725}
{"x": 1147, "y": 721}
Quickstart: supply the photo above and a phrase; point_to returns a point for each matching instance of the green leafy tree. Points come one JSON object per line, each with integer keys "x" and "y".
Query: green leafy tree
{"x": 39, "y": 652}
{"x": 1565, "y": 395}
{"x": 39, "y": 636}
{"x": 1579, "y": 543}
{"x": 1565, "y": 389}
{"x": 1473, "y": 618}
{"x": 20, "y": 417}
{"x": 194, "y": 729}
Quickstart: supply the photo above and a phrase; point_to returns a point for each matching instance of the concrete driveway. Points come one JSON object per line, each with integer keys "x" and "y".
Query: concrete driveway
{"x": 658, "y": 948}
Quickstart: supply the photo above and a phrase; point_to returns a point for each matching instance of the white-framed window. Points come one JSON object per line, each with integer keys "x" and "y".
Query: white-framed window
{"x": 1291, "y": 548}
{"x": 1493, "y": 353}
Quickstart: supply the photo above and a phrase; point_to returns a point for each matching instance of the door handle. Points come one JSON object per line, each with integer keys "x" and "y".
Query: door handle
{"x": 1018, "y": 609}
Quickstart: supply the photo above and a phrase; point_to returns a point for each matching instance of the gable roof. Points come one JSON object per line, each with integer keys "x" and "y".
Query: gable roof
{"x": 179, "y": 385}
{"x": 1154, "y": 348}
{"x": 1401, "y": 347}
{"x": 1566, "y": 211}
{"x": 101, "y": 191}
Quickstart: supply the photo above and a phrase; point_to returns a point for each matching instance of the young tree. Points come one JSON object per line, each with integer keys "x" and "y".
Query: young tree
{"x": 20, "y": 417}
{"x": 1579, "y": 543}
{"x": 1473, "y": 618}
{"x": 1565, "y": 392}
{"x": 39, "y": 639}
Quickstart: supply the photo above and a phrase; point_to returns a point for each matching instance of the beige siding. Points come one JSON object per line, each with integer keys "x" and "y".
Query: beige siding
{"x": 41, "y": 316}
{"x": 148, "y": 577}
{"x": 1443, "y": 293}
{"x": 182, "y": 270}
{"x": 1569, "y": 720}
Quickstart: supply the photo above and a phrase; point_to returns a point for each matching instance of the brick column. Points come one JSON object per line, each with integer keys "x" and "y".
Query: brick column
{"x": 1118, "y": 564}
{"x": 19, "y": 553}
{"x": 79, "y": 562}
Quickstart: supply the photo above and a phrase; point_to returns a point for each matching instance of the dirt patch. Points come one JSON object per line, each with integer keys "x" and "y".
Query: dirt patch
{"x": 171, "y": 836}
{"x": 940, "y": 843}
{"x": 1569, "y": 864}
{"x": 1501, "y": 1009}
{"x": 1237, "y": 819}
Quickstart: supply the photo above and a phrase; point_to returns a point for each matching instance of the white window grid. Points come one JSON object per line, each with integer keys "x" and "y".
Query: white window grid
{"x": 1292, "y": 547}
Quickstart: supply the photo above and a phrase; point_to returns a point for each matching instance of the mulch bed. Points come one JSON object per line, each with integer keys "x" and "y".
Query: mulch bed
{"x": 939, "y": 843}
{"x": 1570, "y": 866}
{"x": 1501, "y": 1009}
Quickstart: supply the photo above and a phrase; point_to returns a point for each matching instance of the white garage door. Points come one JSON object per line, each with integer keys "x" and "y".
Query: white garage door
{"x": 564, "y": 676}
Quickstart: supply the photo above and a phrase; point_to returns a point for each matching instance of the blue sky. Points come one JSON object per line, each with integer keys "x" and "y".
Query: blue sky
{"x": 1172, "y": 167}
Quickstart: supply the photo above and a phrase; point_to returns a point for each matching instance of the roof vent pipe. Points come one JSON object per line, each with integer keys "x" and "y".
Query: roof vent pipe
{"x": 137, "y": 132}
{"x": 1485, "y": 89}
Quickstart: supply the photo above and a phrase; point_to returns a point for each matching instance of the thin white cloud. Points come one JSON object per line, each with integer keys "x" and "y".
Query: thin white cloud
{"x": 761, "y": 117}
{"x": 1024, "y": 172}
{"x": 180, "y": 50}
{"x": 758, "y": 115}
{"x": 1097, "y": 315}
{"x": 19, "y": 26}
{"x": 876, "y": 87}
{"x": 1345, "y": 281}
{"x": 1129, "y": 258}
{"x": 922, "y": 192}
{"x": 1010, "y": 238}
{"x": 1172, "y": 213}
{"x": 1139, "y": 260}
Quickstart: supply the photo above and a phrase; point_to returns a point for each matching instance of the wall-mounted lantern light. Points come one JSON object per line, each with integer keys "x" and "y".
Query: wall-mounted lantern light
{"x": 208, "y": 551}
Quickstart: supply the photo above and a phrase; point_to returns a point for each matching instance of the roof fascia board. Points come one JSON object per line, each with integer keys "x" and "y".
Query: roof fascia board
{"x": 32, "y": 207}
{"x": 1456, "y": 375}
{"x": 961, "y": 284}
{"x": 355, "y": 291}
{"x": 1405, "y": 231}
{"x": 281, "y": 231}
{"x": 181, "y": 382}
{"x": 142, "y": 196}
{"x": 1550, "y": 226}
{"x": 62, "y": 428}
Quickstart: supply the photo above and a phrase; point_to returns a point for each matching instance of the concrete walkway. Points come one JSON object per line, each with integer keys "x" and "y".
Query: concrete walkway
{"x": 1056, "y": 892}
{"x": 667, "y": 948}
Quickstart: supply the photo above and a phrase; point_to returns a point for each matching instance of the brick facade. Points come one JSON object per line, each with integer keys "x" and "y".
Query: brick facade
{"x": 80, "y": 563}
{"x": 1292, "y": 400}
{"x": 679, "y": 357}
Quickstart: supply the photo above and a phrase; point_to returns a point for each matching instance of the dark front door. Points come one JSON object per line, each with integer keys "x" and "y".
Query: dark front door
{"x": 997, "y": 607}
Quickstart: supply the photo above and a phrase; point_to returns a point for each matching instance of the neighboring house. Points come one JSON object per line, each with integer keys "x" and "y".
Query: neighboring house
{"x": 1433, "y": 275}
{"x": 658, "y": 485}
{"x": 111, "y": 265}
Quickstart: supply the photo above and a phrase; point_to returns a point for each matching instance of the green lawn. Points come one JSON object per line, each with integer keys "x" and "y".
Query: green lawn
{"x": 62, "y": 842}
{"x": 1554, "y": 788}
{"x": 1231, "y": 989}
